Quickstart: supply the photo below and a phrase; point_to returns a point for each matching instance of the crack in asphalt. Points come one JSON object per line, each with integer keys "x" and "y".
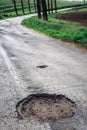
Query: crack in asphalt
{"x": 12, "y": 70}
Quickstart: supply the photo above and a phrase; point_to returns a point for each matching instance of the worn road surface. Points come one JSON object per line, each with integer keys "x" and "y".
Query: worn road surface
{"x": 21, "y": 51}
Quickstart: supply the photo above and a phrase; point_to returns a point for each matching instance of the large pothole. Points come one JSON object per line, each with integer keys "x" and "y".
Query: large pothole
{"x": 45, "y": 107}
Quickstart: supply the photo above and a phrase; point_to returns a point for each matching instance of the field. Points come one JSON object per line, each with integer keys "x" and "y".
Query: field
{"x": 66, "y": 30}
{"x": 29, "y": 6}
{"x": 7, "y": 8}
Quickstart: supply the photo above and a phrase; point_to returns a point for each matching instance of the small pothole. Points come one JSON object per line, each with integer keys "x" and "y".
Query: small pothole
{"x": 45, "y": 107}
{"x": 42, "y": 66}
{"x": 25, "y": 33}
{"x": 13, "y": 55}
{"x": 26, "y": 41}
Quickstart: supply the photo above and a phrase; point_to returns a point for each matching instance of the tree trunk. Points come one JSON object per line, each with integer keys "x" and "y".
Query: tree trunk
{"x": 44, "y": 9}
{"x": 15, "y": 7}
{"x": 55, "y": 2}
{"x": 29, "y": 6}
{"x": 84, "y": 1}
{"x": 52, "y": 6}
{"x": 22, "y": 6}
{"x": 39, "y": 8}
{"x": 35, "y": 5}
{"x": 48, "y": 6}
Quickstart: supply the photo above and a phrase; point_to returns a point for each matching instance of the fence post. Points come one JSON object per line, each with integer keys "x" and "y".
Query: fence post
{"x": 39, "y": 8}
{"x": 15, "y": 7}
{"x": 44, "y": 9}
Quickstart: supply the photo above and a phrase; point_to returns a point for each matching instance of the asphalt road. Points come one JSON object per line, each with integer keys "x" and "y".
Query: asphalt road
{"x": 21, "y": 52}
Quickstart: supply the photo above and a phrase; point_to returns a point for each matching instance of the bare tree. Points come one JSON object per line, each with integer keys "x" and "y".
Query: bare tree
{"x": 39, "y": 8}
{"x": 44, "y": 9}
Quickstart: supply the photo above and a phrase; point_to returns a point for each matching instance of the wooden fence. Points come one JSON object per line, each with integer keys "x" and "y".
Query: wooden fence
{"x": 20, "y": 7}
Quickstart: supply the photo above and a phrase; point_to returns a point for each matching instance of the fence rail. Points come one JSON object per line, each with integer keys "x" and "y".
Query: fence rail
{"x": 20, "y": 7}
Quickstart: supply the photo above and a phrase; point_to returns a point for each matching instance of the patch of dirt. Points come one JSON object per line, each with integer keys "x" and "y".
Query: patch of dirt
{"x": 80, "y": 17}
{"x": 44, "y": 107}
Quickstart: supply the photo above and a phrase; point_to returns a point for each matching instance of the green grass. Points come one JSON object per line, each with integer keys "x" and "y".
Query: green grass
{"x": 82, "y": 9}
{"x": 7, "y": 8}
{"x": 63, "y": 3}
{"x": 67, "y": 31}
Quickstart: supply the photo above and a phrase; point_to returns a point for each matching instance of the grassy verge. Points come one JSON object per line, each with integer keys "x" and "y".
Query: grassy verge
{"x": 67, "y": 31}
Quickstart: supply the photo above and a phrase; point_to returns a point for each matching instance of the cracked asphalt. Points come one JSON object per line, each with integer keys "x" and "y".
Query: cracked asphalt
{"x": 22, "y": 50}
